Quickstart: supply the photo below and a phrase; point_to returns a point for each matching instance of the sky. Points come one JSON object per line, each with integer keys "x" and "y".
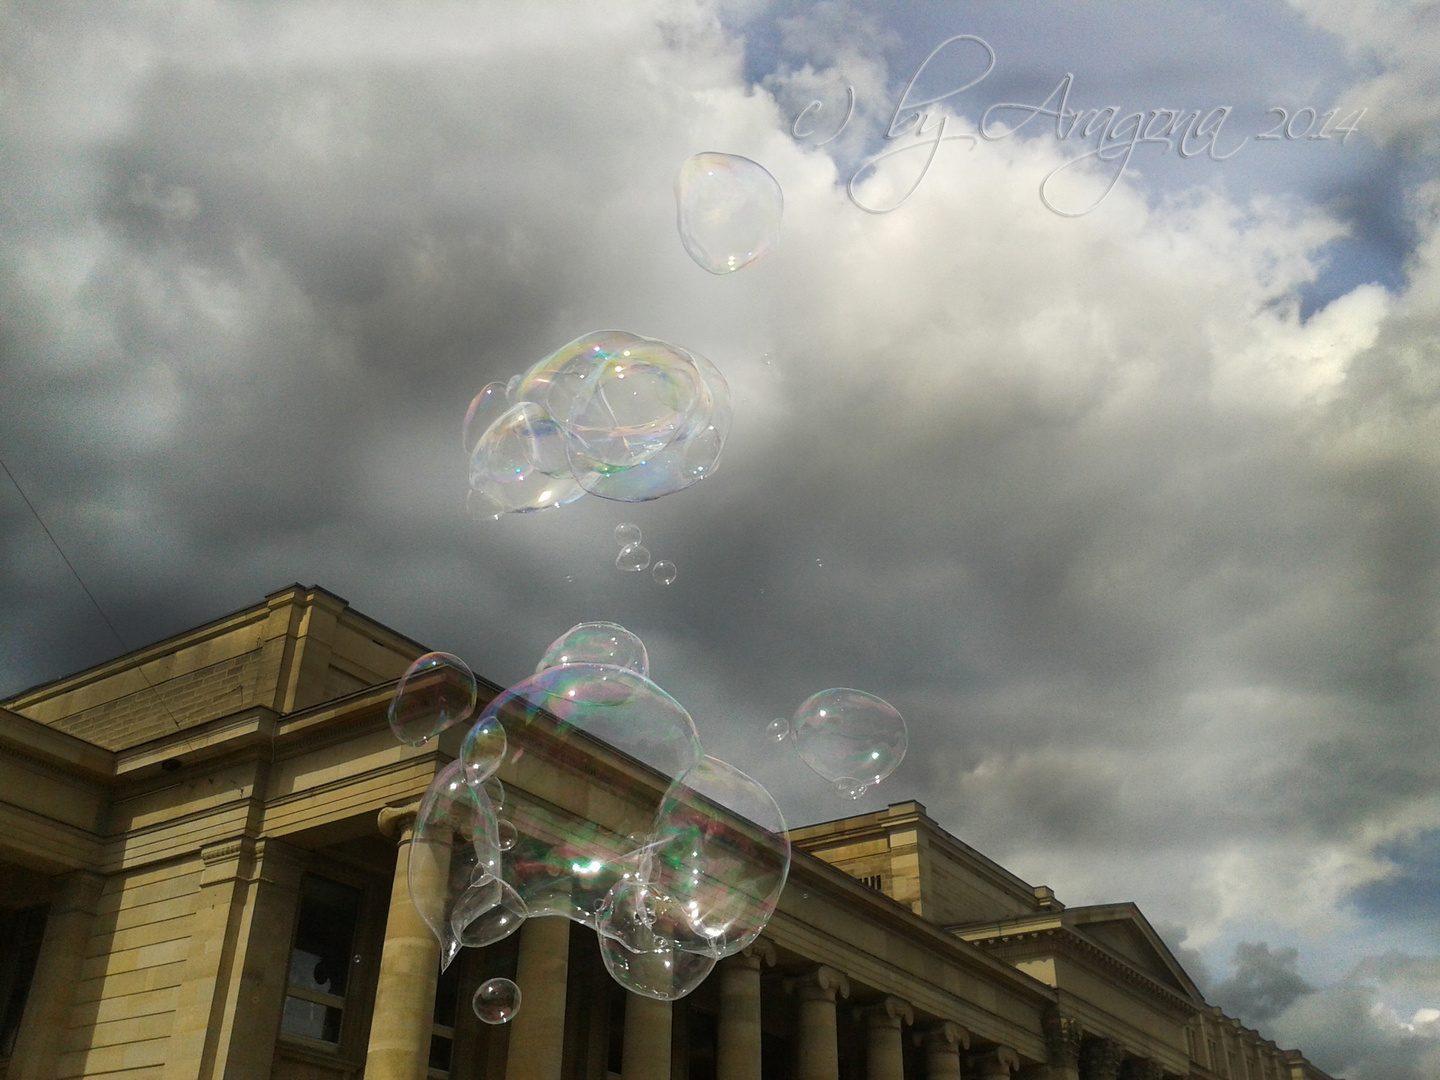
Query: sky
{"x": 1121, "y": 486}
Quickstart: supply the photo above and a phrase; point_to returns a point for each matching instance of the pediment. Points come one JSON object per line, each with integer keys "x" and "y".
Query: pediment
{"x": 1123, "y": 931}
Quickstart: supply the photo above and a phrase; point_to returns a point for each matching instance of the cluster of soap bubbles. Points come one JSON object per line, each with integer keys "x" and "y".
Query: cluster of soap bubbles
{"x": 851, "y": 738}
{"x": 635, "y": 556}
{"x": 727, "y": 209}
{"x": 613, "y": 414}
{"x": 688, "y": 867}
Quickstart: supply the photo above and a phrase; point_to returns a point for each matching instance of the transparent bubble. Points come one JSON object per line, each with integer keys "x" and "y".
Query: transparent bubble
{"x": 597, "y": 643}
{"x": 728, "y": 211}
{"x": 520, "y": 463}
{"x": 495, "y": 792}
{"x": 481, "y": 507}
{"x": 722, "y": 853}
{"x": 481, "y": 751}
{"x": 495, "y": 912}
{"x": 485, "y": 409}
{"x": 665, "y": 974}
{"x": 436, "y": 691}
{"x": 505, "y": 834}
{"x": 849, "y": 735}
{"x": 453, "y": 846}
{"x": 665, "y": 572}
{"x": 851, "y": 788}
{"x": 642, "y": 418}
{"x": 496, "y": 1001}
{"x": 633, "y": 557}
{"x": 778, "y": 730}
{"x": 627, "y": 533}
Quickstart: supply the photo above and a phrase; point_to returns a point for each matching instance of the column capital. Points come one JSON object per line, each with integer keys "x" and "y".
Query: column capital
{"x": 1100, "y": 1059}
{"x": 1062, "y": 1038}
{"x": 824, "y": 982}
{"x": 396, "y": 821}
{"x": 761, "y": 950}
{"x": 996, "y": 1062}
{"x": 890, "y": 1011}
{"x": 943, "y": 1036}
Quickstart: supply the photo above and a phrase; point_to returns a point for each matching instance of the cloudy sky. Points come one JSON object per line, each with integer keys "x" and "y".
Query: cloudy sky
{"x": 1122, "y": 488}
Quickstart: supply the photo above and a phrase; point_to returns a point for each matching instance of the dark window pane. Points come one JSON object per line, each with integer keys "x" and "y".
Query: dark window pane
{"x": 20, "y": 934}
{"x": 311, "y": 1019}
{"x": 324, "y": 936}
{"x": 440, "y": 1053}
{"x": 447, "y": 994}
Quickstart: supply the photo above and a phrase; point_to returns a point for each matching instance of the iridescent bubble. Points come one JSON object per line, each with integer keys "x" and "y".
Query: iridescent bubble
{"x": 495, "y": 912}
{"x": 722, "y": 853}
{"x": 849, "y": 735}
{"x": 597, "y": 643}
{"x": 728, "y": 211}
{"x": 665, "y": 572}
{"x": 633, "y": 557}
{"x": 519, "y": 463}
{"x": 496, "y": 1001}
{"x": 485, "y": 409}
{"x": 481, "y": 751}
{"x": 627, "y": 533}
{"x": 436, "y": 691}
{"x": 778, "y": 730}
{"x": 505, "y": 834}
{"x": 452, "y": 845}
{"x": 664, "y": 973}
{"x": 495, "y": 792}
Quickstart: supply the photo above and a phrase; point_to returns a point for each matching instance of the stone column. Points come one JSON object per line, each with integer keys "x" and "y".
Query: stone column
{"x": 646, "y": 1049}
{"x": 537, "y": 1034}
{"x": 738, "y": 1031}
{"x": 409, "y": 965}
{"x": 884, "y": 1040}
{"x": 819, "y": 1056}
{"x": 943, "y": 1043}
{"x": 1062, "y": 1045}
{"x": 1100, "y": 1059}
{"x": 995, "y": 1063}
{"x": 57, "y": 970}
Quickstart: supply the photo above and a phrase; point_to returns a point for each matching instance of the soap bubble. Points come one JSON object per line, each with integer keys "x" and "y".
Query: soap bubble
{"x": 621, "y": 416}
{"x": 505, "y": 834}
{"x": 495, "y": 792}
{"x": 496, "y": 1001}
{"x": 849, "y": 735}
{"x": 665, "y": 572}
{"x": 722, "y": 853}
{"x": 597, "y": 643}
{"x": 519, "y": 462}
{"x": 633, "y": 557}
{"x": 485, "y": 409}
{"x": 453, "y": 843}
{"x": 481, "y": 507}
{"x": 851, "y": 788}
{"x": 728, "y": 210}
{"x": 436, "y": 691}
{"x": 778, "y": 730}
{"x": 627, "y": 533}
{"x": 490, "y": 911}
{"x": 665, "y": 973}
{"x": 481, "y": 751}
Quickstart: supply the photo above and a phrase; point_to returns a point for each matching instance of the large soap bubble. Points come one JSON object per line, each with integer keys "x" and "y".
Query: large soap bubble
{"x": 597, "y": 643}
{"x": 851, "y": 738}
{"x": 689, "y": 862}
{"x": 727, "y": 209}
{"x": 436, "y": 691}
{"x": 621, "y": 416}
{"x": 453, "y": 853}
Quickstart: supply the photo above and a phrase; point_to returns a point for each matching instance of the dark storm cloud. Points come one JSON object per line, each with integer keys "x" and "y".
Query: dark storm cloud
{"x": 1263, "y": 986}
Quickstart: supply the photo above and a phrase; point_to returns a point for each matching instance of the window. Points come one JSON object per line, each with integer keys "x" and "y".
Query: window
{"x": 873, "y": 882}
{"x": 20, "y": 934}
{"x": 442, "y": 1030}
{"x": 320, "y": 961}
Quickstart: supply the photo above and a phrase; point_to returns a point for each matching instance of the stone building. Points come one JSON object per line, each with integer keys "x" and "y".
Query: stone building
{"x": 203, "y": 855}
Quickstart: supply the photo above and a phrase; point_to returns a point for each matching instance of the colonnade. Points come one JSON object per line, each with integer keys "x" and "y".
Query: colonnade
{"x": 400, "y": 1031}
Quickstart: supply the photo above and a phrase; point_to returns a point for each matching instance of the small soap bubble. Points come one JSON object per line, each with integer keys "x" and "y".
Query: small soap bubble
{"x": 665, "y": 572}
{"x": 436, "y": 691}
{"x": 627, "y": 533}
{"x": 849, "y": 736}
{"x": 633, "y": 557}
{"x": 728, "y": 211}
{"x": 497, "y": 1001}
{"x": 505, "y": 834}
{"x": 819, "y": 563}
{"x": 778, "y": 730}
